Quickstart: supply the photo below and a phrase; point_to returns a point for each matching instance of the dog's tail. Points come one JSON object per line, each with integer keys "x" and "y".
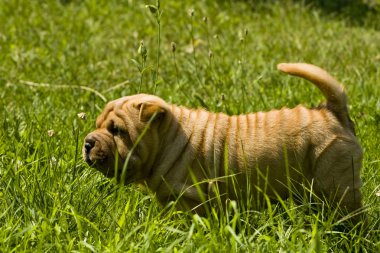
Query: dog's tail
{"x": 330, "y": 87}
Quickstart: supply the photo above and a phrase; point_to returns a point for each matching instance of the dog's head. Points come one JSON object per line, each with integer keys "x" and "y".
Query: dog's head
{"x": 127, "y": 138}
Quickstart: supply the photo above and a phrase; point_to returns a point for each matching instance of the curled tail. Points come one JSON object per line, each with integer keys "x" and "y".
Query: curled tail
{"x": 333, "y": 91}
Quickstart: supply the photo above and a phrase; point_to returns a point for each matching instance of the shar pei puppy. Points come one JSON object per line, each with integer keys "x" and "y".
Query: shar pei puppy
{"x": 192, "y": 156}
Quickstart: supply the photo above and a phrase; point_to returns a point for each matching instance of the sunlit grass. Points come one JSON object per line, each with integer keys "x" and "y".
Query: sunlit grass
{"x": 51, "y": 201}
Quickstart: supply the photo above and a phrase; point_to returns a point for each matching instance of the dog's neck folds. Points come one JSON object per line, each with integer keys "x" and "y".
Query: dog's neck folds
{"x": 198, "y": 141}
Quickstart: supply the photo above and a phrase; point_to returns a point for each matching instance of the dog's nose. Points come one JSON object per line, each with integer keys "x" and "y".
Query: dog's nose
{"x": 89, "y": 144}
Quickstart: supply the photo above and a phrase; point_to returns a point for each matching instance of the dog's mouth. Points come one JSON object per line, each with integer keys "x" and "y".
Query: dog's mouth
{"x": 88, "y": 160}
{"x": 110, "y": 164}
{"x": 117, "y": 173}
{"x": 110, "y": 171}
{"x": 95, "y": 162}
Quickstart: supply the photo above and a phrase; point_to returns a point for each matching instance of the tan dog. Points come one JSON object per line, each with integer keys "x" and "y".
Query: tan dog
{"x": 195, "y": 154}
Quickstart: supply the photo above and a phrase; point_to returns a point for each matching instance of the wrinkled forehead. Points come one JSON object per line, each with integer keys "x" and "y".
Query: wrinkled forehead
{"x": 117, "y": 105}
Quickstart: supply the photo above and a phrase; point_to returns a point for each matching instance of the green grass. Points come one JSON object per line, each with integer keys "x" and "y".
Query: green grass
{"x": 50, "y": 201}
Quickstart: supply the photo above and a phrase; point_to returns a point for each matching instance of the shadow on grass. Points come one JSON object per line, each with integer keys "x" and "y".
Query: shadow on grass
{"x": 357, "y": 12}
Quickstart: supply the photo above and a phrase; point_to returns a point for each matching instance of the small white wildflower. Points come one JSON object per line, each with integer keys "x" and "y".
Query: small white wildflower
{"x": 53, "y": 161}
{"x": 82, "y": 115}
{"x": 50, "y": 133}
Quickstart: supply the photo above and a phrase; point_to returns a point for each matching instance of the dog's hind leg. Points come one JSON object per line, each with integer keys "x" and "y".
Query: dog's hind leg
{"x": 336, "y": 174}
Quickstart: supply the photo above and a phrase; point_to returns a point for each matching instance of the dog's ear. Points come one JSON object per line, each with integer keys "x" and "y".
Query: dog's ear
{"x": 147, "y": 110}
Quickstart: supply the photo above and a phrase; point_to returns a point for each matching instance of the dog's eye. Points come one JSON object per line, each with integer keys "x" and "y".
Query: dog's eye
{"x": 114, "y": 130}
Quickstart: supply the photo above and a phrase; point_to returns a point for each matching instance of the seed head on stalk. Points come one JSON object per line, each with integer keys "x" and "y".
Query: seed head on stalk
{"x": 142, "y": 51}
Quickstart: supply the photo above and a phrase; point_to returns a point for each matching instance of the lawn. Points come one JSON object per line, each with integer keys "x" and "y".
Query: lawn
{"x": 62, "y": 58}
